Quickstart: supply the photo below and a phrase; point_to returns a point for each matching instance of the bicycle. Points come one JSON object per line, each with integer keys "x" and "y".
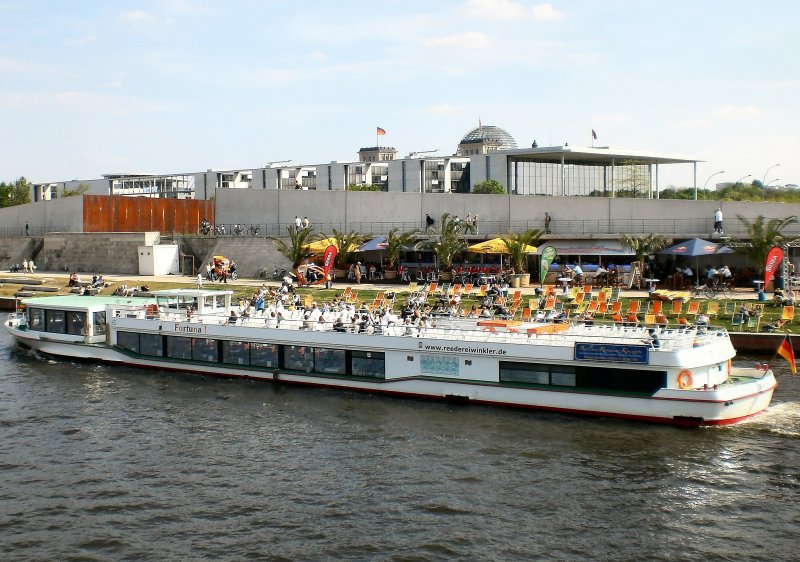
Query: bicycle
{"x": 722, "y": 290}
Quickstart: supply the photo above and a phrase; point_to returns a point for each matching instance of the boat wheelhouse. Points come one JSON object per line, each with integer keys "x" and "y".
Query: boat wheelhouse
{"x": 682, "y": 376}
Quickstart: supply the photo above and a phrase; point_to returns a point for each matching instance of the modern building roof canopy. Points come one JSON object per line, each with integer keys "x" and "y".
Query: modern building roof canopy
{"x": 596, "y": 155}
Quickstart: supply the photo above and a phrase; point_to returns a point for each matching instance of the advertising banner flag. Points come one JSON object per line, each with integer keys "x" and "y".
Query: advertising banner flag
{"x": 327, "y": 259}
{"x": 548, "y": 255}
{"x": 774, "y": 259}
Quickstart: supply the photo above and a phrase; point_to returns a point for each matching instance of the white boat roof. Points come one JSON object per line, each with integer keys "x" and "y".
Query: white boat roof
{"x": 189, "y": 293}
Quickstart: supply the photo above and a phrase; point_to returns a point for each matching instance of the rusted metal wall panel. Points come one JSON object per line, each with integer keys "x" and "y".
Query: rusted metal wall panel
{"x": 106, "y": 213}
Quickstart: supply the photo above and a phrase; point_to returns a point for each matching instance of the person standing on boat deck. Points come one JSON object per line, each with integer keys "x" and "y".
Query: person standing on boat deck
{"x": 718, "y": 220}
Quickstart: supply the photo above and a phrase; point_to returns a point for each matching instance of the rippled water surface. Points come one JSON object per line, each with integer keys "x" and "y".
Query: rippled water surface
{"x": 113, "y": 463}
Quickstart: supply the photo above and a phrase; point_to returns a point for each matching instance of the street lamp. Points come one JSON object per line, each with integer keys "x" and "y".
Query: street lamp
{"x": 741, "y": 178}
{"x": 772, "y": 181}
{"x": 711, "y": 176}
{"x": 768, "y": 169}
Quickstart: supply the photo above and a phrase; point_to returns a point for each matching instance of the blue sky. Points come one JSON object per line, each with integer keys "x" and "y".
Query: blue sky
{"x": 88, "y": 88}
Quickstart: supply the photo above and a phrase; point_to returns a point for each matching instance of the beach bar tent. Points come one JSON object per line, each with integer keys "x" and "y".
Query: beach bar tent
{"x": 695, "y": 248}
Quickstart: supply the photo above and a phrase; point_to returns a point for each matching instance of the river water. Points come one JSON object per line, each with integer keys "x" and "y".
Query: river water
{"x": 110, "y": 463}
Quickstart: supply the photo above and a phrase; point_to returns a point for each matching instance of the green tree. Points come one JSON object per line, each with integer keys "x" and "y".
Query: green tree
{"x": 17, "y": 193}
{"x": 449, "y": 241}
{"x": 396, "y": 241}
{"x": 346, "y": 243}
{"x": 643, "y": 246}
{"x": 489, "y": 186}
{"x": 634, "y": 179}
{"x": 517, "y": 244}
{"x": 80, "y": 190}
{"x": 763, "y": 235}
{"x": 294, "y": 250}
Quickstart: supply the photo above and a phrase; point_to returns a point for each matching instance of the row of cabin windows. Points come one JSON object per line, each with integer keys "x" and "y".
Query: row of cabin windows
{"x": 64, "y": 321}
{"x": 601, "y": 378}
{"x": 265, "y": 355}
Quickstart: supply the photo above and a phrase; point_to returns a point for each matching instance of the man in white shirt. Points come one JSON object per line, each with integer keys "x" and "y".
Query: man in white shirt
{"x": 718, "y": 220}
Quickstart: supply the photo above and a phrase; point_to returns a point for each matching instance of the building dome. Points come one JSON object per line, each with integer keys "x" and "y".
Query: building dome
{"x": 492, "y": 134}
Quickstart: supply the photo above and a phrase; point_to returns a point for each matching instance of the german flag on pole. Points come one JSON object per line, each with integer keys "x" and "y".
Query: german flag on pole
{"x": 380, "y": 131}
{"x": 786, "y": 351}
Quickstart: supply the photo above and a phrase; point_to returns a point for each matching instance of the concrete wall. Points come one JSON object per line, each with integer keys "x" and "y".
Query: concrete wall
{"x": 93, "y": 253}
{"x": 585, "y": 217}
{"x": 63, "y": 215}
{"x": 14, "y": 249}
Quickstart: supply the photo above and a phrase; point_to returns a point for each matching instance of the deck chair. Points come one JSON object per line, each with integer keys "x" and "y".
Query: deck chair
{"x": 677, "y": 307}
{"x": 467, "y": 289}
{"x": 662, "y": 320}
{"x": 631, "y": 319}
{"x": 683, "y": 321}
{"x": 602, "y": 308}
{"x": 617, "y": 318}
{"x": 579, "y": 298}
{"x": 649, "y": 319}
{"x": 633, "y": 307}
{"x": 533, "y": 304}
{"x": 483, "y": 289}
{"x": 587, "y": 288}
{"x": 347, "y": 290}
{"x": 550, "y": 303}
{"x": 738, "y": 320}
{"x": 602, "y": 296}
{"x": 753, "y": 322}
{"x": 656, "y": 306}
{"x": 712, "y": 309}
{"x": 616, "y": 307}
{"x": 758, "y": 309}
{"x": 592, "y": 308}
{"x": 308, "y": 300}
{"x": 432, "y": 287}
{"x": 788, "y": 313}
{"x": 517, "y": 296}
{"x": 730, "y": 308}
{"x": 446, "y": 289}
{"x": 614, "y": 294}
{"x": 694, "y": 308}
{"x": 526, "y": 314}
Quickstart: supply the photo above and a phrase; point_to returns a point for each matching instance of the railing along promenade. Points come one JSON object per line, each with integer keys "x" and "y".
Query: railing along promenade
{"x": 673, "y": 227}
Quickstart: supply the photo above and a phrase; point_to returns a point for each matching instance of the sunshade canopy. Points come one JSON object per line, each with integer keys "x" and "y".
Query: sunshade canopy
{"x": 496, "y": 246}
{"x": 590, "y": 248}
{"x": 319, "y": 246}
{"x": 377, "y": 243}
{"x": 696, "y": 247}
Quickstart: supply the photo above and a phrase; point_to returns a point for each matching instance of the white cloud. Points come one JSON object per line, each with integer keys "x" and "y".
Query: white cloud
{"x": 607, "y": 119}
{"x": 469, "y": 40}
{"x": 737, "y": 111}
{"x": 546, "y": 12}
{"x": 442, "y": 109}
{"x": 495, "y": 9}
{"x": 318, "y": 55}
{"x": 136, "y": 16}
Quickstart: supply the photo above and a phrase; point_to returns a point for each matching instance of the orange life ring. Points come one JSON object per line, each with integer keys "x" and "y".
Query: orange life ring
{"x": 685, "y": 380}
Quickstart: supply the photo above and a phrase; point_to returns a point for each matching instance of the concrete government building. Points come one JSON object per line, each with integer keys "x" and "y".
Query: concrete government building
{"x": 486, "y": 152}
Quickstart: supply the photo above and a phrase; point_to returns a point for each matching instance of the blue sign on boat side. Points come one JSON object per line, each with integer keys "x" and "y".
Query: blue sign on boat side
{"x": 615, "y": 352}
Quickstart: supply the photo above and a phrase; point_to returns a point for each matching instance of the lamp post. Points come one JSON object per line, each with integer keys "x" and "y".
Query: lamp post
{"x": 771, "y": 182}
{"x": 768, "y": 169}
{"x": 711, "y": 176}
{"x": 741, "y": 178}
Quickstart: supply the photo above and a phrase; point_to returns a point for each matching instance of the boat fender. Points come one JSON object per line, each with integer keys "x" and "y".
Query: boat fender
{"x": 685, "y": 380}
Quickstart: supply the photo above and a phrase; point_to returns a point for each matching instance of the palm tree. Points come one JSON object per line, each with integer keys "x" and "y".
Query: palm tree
{"x": 346, "y": 244}
{"x": 517, "y": 245}
{"x": 450, "y": 241}
{"x": 645, "y": 245}
{"x": 295, "y": 250}
{"x": 764, "y": 235}
{"x": 396, "y": 241}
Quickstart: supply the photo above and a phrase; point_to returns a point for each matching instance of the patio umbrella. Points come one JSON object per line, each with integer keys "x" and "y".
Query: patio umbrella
{"x": 318, "y": 247}
{"x": 696, "y": 247}
{"x": 496, "y": 246}
{"x": 377, "y": 243}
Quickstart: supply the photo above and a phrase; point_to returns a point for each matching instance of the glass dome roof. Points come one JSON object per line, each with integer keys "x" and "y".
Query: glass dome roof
{"x": 490, "y": 133}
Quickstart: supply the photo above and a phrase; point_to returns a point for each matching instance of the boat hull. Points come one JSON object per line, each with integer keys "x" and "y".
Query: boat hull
{"x": 725, "y": 404}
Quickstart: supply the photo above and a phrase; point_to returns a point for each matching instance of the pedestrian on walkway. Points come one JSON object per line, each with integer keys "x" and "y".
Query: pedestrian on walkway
{"x": 718, "y": 221}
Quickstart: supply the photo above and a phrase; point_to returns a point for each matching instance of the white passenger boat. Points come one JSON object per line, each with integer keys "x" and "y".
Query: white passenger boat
{"x": 682, "y": 377}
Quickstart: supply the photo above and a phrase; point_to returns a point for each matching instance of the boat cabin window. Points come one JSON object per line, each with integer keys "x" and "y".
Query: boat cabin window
{"x": 368, "y": 364}
{"x": 100, "y": 327}
{"x": 55, "y": 321}
{"x": 298, "y": 357}
{"x": 151, "y": 344}
{"x": 588, "y": 377}
{"x": 76, "y": 323}
{"x": 306, "y": 359}
{"x": 36, "y": 319}
{"x": 263, "y": 355}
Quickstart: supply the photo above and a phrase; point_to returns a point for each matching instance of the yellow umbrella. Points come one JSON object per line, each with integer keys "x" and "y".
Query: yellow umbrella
{"x": 496, "y": 246}
{"x": 319, "y": 246}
